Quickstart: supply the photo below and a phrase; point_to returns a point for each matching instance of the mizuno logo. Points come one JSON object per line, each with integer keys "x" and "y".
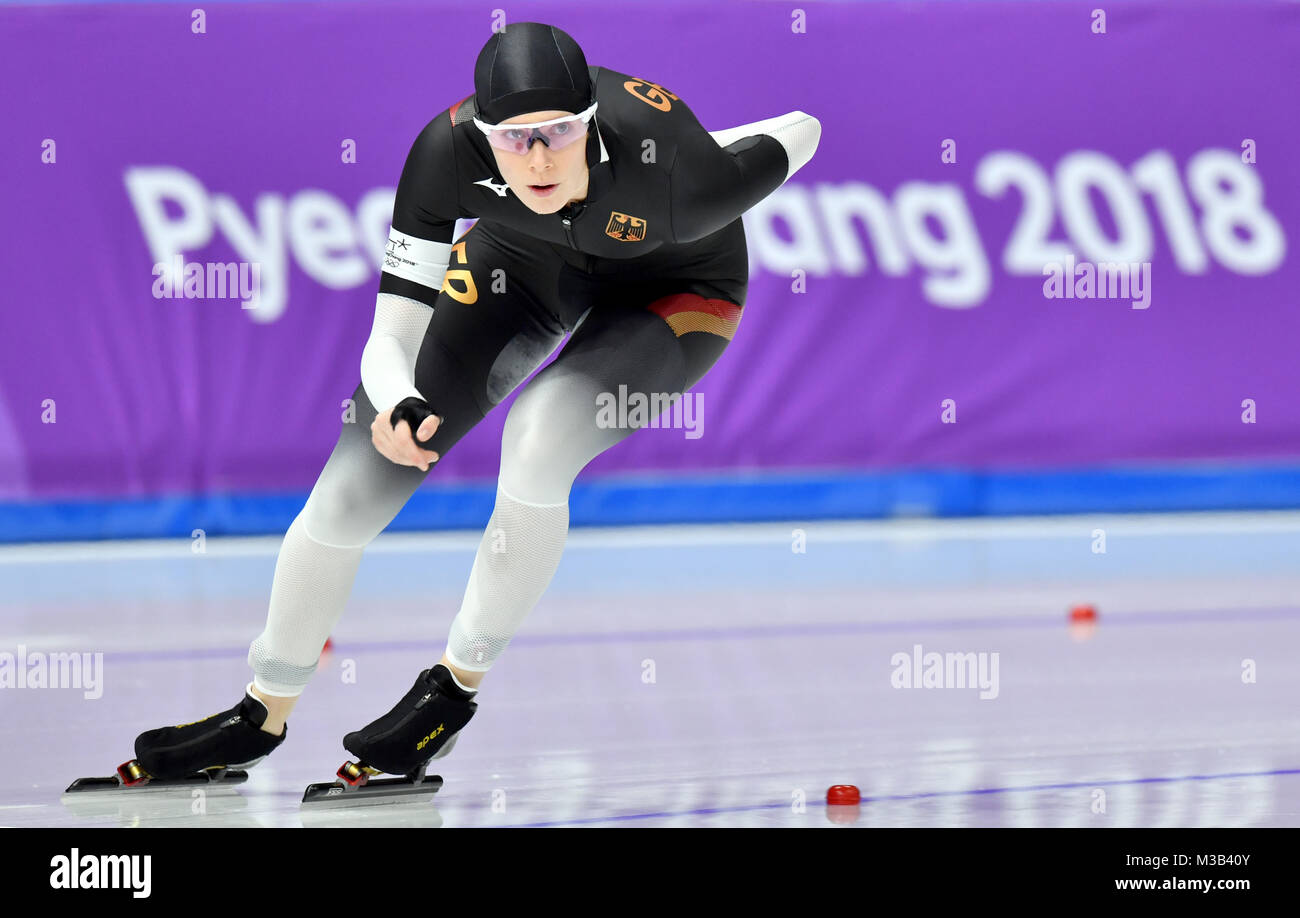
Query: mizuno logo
{"x": 499, "y": 189}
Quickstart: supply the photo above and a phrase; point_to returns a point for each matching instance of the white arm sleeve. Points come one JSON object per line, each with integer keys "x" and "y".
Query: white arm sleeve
{"x": 388, "y": 360}
{"x": 797, "y": 132}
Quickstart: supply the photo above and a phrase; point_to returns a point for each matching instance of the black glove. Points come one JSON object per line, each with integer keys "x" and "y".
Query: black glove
{"x": 413, "y": 411}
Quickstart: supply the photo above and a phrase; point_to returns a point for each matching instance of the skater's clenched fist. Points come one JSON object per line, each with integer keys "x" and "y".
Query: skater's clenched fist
{"x": 390, "y": 432}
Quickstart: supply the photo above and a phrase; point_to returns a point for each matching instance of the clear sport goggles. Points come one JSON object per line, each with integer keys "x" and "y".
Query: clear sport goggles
{"x": 557, "y": 133}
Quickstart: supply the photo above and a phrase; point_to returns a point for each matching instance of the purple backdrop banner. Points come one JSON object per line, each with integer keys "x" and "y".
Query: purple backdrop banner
{"x": 898, "y": 314}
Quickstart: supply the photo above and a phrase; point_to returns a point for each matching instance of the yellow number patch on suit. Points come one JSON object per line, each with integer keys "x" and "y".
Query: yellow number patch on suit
{"x": 625, "y": 227}
{"x": 460, "y": 275}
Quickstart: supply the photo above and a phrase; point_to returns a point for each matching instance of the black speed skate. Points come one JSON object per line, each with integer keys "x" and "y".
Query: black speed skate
{"x": 423, "y": 726}
{"x": 216, "y": 749}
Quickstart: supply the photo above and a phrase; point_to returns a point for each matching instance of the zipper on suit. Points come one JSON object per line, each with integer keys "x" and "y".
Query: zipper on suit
{"x": 568, "y": 215}
{"x": 566, "y": 218}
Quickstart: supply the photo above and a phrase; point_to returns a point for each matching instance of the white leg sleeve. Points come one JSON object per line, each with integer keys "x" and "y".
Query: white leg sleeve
{"x": 311, "y": 587}
{"x": 357, "y": 494}
{"x": 516, "y": 560}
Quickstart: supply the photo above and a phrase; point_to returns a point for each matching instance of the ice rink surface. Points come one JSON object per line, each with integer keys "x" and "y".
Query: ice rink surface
{"x": 714, "y": 676}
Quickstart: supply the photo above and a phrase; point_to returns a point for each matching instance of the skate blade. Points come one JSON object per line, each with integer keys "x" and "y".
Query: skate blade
{"x": 212, "y": 780}
{"x": 374, "y": 791}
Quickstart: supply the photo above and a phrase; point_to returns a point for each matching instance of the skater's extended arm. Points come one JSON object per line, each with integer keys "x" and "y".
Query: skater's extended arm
{"x": 720, "y": 175}
{"x": 415, "y": 262}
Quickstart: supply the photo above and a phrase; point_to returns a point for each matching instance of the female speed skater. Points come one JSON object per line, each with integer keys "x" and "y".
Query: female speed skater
{"x": 604, "y": 210}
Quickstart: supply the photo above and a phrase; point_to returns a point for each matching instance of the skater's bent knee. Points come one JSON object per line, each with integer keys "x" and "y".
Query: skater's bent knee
{"x": 539, "y": 461}
{"x": 343, "y": 516}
